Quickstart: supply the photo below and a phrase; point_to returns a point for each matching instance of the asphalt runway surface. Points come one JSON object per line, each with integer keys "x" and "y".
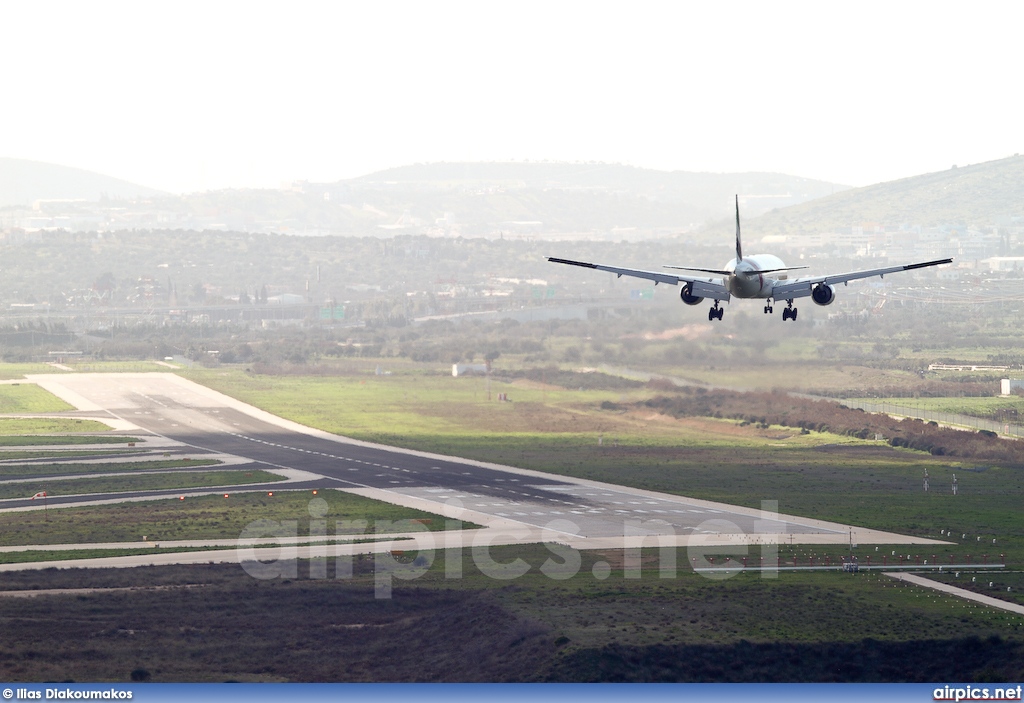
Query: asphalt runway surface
{"x": 205, "y": 421}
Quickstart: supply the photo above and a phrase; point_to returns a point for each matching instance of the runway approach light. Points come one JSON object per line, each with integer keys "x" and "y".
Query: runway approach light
{"x": 270, "y": 493}
{"x": 181, "y": 497}
{"x": 225, "y": 495}
{"x": 314, "y": 493}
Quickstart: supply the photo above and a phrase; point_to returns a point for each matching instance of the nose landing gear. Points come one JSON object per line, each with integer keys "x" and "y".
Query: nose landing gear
{"x": 768, "y": 308}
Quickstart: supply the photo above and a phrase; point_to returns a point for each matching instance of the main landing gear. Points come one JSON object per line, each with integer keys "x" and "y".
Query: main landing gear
{"x": 715, "y": 313}
{"x": 790, "y": 312}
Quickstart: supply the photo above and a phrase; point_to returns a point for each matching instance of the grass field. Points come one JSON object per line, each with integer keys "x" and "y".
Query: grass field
{"x": 14, "y": 371}
{"x": 421, "y": 410}
{"x": 65, "y": 440}
{"x": 134, "y": 482}
{"x": 999, "y": 408}
{"x": 29, "y": 398}
{"x": 203, "y": 517}
{"x": 215, "y": 623}
{"x": 35, "y": 555}
{"x": 64, "y": 453}
{"x": 10, "y": 427}
{"x": 794, "y": 376}
{"x": 10, "y": 471}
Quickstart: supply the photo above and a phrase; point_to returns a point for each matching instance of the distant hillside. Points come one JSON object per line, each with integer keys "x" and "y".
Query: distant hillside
{"x": 601, "y": 201}
{"x": 990, "y": 193}
{"x": 23, "y": 182}
{"x": 682, "y": 197}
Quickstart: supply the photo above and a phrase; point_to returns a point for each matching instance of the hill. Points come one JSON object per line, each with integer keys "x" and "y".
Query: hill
{"x": 604, "y": 195}
{"x": 23, "y": 182}
{"x": 985, "y": 194}
{"x": 601, "y": 201}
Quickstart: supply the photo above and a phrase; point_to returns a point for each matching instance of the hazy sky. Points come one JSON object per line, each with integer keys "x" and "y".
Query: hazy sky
{"x": 188, "y": 96}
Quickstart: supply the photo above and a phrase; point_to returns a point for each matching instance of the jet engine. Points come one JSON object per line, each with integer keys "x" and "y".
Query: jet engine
{"x": 688, "y": 297}
{"x": 823, "y": 294}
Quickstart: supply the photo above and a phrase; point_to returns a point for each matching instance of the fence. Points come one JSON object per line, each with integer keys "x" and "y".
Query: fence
{"x": 953, "y": 419}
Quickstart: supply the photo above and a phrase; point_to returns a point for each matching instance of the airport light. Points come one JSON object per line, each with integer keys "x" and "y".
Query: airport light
{"x": 225, "y": 495}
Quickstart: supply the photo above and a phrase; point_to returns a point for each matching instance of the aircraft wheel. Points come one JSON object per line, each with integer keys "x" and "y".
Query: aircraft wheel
{"x": 711, "y": 314}
{"x": 785, "y": 314}
{"x": 721, "y": 313}
{"x": 793, "y": 316}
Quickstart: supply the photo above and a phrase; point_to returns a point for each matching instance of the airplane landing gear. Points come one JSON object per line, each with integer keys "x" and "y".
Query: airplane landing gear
{"x": 715, "y": 313}
{"x": 790, "y": 312}
{"x": 768, "y": 308}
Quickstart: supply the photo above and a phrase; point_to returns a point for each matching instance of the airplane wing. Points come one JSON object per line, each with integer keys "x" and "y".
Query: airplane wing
{"x": 702, "y": 287}
{"x": 803, "y": 286}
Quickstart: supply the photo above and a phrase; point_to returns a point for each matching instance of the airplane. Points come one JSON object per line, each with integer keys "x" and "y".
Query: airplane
{"x": 759, "y": 276}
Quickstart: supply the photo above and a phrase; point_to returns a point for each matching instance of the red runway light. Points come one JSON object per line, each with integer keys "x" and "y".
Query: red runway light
{"x": 270, "y": 493}
{"x": 181, "y": 497}
{"x": 225, "y": 495}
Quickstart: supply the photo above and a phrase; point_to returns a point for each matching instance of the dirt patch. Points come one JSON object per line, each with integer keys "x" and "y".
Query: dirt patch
{"x": 707, "y": 425}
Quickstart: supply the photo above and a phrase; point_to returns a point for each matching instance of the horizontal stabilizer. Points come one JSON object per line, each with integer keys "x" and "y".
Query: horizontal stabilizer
{"x": 787, "y": 268}
{"x": 694, "y": 268}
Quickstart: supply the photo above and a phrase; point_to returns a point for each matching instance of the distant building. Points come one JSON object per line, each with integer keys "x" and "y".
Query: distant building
{"x": 463, "y": 369}
{"x": 286, "y": 299}
{"x": 1007, "y": 385}
{"x": 1004, "y": 263}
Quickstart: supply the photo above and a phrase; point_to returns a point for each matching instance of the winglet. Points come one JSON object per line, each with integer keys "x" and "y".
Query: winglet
{"x": 739, "y": 246}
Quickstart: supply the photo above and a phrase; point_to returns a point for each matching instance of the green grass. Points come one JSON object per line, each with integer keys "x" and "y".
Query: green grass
{"x": 9, "y": 471}
{"x": 30, "y": 398}
{"x": 64, "y": 453}
{"x": 423, "y": 411}
{"x": 215, "y": 623}
{"x": 1006, "y": 585}
{"x": 810, "y": 375}
{"x": 688, "y": 608}
{"x": 41, "y": 555}
{"x": 412, "y": 404}
{"x": 15, "y": 371}
{"x": 124, "y": 484}
{"x": 205, "y": 517}
{"x": 43, "y": 425}
{"x": 999, "y": 408}
{"x": 42, "y": 440}
{"x": 37, "y": 555}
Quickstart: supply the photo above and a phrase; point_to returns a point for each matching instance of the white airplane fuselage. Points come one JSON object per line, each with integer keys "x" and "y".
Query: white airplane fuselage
{"x": 746, "y": 281}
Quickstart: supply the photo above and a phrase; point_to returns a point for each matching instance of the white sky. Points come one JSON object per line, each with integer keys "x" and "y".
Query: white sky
{"x": 194, "y": 95}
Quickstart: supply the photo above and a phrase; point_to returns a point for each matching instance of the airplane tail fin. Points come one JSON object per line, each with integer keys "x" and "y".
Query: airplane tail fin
{"x": 739, "y": 245}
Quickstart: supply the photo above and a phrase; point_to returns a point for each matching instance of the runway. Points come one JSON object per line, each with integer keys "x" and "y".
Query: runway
{"x": 585, "y": 514}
